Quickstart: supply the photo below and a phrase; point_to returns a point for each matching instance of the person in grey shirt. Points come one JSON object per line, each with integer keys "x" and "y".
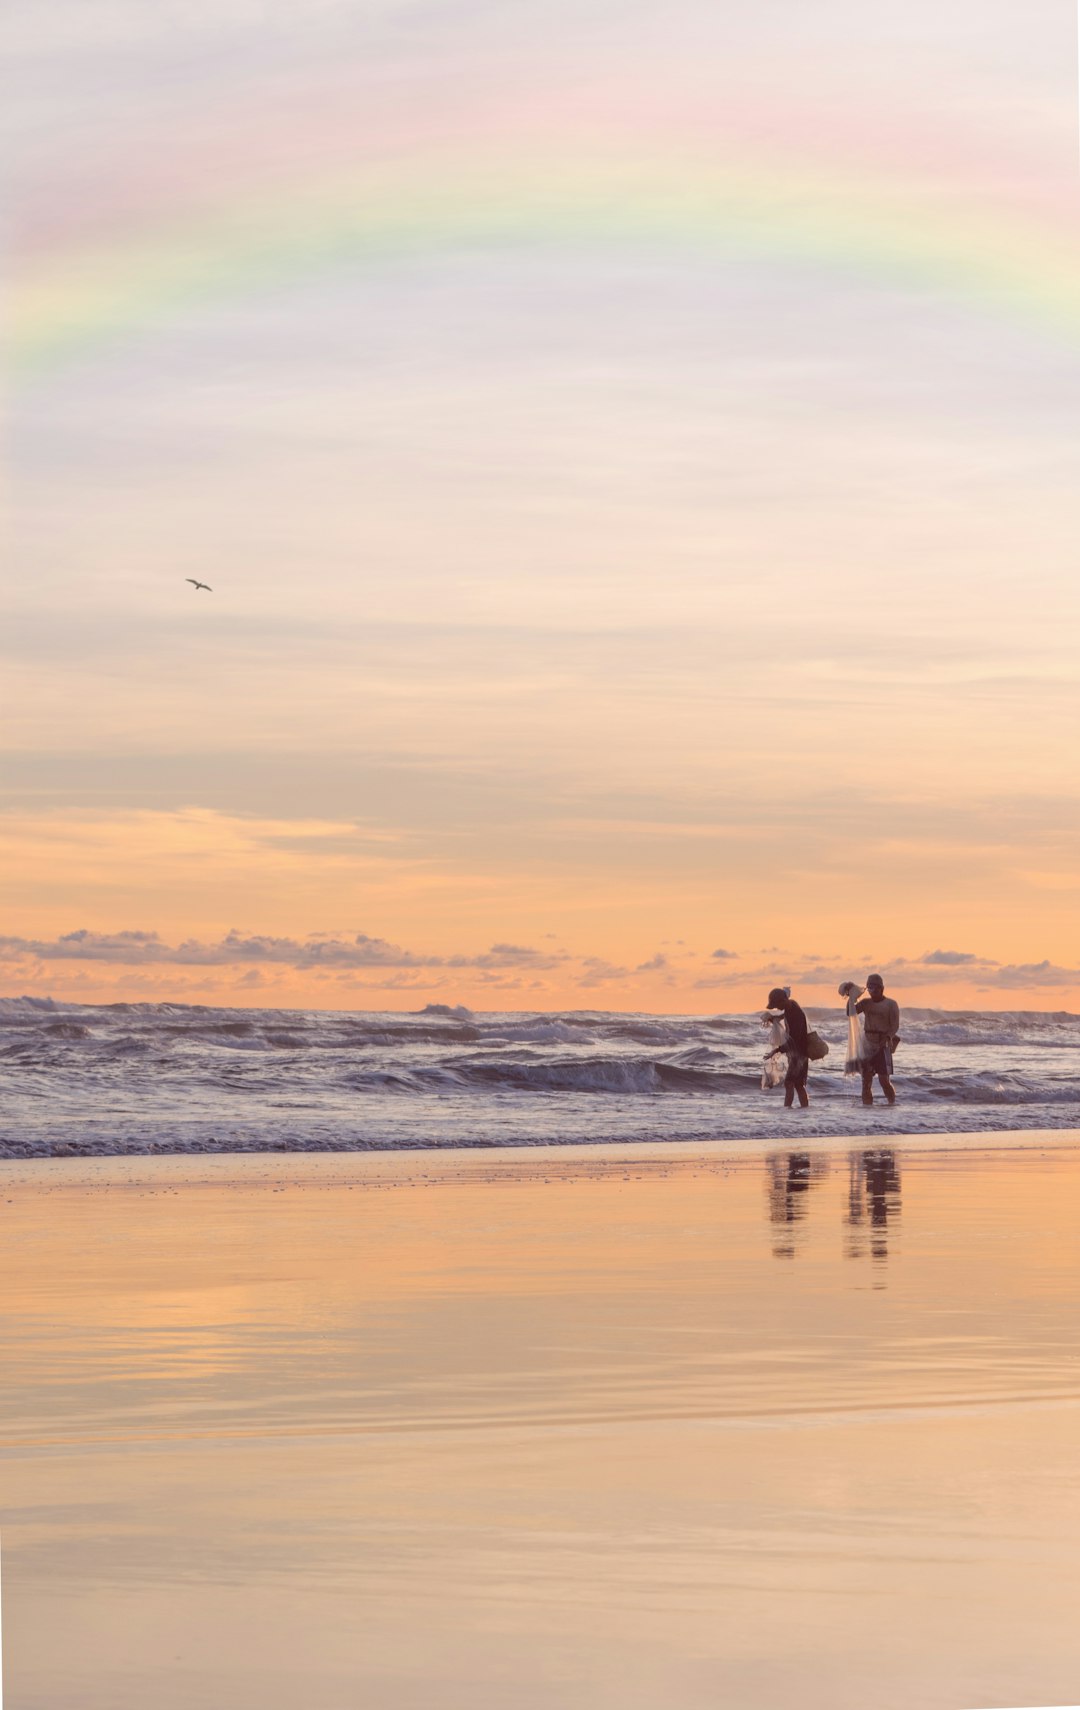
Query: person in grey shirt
{"x": 881, "y": 1017}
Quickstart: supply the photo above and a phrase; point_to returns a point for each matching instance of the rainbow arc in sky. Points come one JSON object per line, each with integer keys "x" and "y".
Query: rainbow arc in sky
{"x": 73, "y": 302}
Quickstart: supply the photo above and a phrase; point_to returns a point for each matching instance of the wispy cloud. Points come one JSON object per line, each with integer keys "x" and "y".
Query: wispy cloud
{"x": 950, "y": 959}
{"x": 364, "y": 961}
{"x": 1021, "y": 976}
{"x": 596, "y": 971}
{"x": 941, "y": 968}
{"x": 135, "y": 948}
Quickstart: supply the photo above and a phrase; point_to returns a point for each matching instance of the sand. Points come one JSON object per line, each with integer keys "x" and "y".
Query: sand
{"x": 656, "y": 1426}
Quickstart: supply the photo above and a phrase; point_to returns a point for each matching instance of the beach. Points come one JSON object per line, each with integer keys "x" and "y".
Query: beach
{"x": 617, "y": 1426}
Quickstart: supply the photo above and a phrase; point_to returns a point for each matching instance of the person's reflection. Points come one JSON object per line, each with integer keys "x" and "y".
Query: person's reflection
{"x": 873, "y": 1202}
{"x": 790, "y": 1180}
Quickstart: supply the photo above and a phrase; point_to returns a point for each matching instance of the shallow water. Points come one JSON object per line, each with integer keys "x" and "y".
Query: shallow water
{"x": 616, "y": 1428}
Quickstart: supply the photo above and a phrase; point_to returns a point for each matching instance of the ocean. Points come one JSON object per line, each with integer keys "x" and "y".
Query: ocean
{"x": 143, "y": 1077}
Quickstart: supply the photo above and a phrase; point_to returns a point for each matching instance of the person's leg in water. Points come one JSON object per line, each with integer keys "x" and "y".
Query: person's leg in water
{"x": 867, "y": 1083}
{"x": 882, "y": 1067}
{"x": 795, "y": 1082}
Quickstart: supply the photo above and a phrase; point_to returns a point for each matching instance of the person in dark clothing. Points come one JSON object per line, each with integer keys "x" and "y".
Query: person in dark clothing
{"x": 798, "y": 1061}
{"x": 881, "y": 1016}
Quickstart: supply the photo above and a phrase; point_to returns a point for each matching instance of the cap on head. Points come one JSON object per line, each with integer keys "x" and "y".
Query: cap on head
{"x": 777, "y": 998}
{"x": 875, "y": 983}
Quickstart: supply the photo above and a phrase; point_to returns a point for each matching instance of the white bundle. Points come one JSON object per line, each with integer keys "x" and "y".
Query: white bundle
{"x": 775, "y": 1067}
{"x": 856, "y": 1029}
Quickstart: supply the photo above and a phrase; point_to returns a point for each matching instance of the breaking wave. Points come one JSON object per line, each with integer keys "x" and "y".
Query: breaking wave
{"x": 169, "y": 1077}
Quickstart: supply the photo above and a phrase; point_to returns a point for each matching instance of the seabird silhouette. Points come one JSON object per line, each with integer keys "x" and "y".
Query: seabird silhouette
{"x": 198, "y": 585}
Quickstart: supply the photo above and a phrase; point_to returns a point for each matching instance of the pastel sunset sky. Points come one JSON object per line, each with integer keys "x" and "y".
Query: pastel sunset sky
{"x": 634, "y": 452}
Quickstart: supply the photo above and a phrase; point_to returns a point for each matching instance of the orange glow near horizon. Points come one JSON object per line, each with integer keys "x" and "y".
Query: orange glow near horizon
{"x": 599, "y": 935}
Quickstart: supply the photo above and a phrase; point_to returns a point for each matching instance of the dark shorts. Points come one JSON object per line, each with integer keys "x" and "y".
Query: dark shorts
{"x": 797, "y": 1067}
{"x": 880, "y": 1063}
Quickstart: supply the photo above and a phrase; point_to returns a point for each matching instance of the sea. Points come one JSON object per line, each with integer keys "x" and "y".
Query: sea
{"x": 78, "y": 1079}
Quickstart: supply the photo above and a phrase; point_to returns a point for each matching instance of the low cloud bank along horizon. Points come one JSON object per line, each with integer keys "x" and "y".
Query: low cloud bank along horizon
{"x": 331, "y": 970}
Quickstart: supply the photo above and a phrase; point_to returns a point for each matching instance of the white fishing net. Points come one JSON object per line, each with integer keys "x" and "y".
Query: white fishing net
{"x": 775, "y": 1066}
{"x": 856, "y": 1030}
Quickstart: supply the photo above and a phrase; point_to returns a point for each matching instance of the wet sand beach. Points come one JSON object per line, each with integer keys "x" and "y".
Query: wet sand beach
{"x": 695, "y": 1425}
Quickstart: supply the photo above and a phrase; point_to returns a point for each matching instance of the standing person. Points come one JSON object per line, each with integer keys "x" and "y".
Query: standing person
{"x": 882, "y": 1018}
{"x": 798, "y": 1061}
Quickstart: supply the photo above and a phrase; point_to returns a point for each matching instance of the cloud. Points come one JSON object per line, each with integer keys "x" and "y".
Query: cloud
{"x": 595, "y": 971}
{"x": 349, "y": 957}
{"x": 507, "y": 956}
{"x": 949, "y": 958}
{"x": 792, "y": 971}
{"x": 1017, "y": 976}
{"x": 135, "y": 948}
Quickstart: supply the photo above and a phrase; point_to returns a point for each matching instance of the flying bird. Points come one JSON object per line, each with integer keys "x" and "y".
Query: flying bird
{"x": 198, "y": 585}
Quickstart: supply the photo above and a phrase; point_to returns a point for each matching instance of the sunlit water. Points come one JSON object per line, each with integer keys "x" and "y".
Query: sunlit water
{"x": 608, "y": 1428}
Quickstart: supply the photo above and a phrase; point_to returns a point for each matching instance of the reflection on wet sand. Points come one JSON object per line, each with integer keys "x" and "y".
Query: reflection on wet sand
{"x": 789, "y": 1180}
{"x": 871, "y": 1211}
{"x": 873, "y": 1206}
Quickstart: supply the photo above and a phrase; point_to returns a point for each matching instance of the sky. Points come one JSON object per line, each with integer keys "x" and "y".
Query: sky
{"x": 633, "y": 451}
